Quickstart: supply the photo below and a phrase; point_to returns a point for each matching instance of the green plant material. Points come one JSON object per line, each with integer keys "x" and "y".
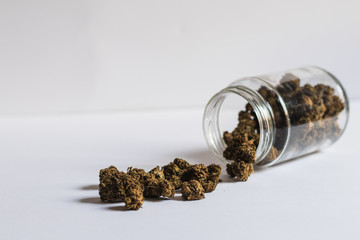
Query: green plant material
{"x": 155, "y": 188}
{"x": 192, "y": 190}
{"x": 157, "y": 173}
{"x": 209, "y": 186}
{"x": 214, "y": 172}
{"x": 197, "y": 172}
{"x": 240, "y": 169}
{"x": 168, "y": 189}
{"x": 175, "y": 181}
{"x": 119, "y": 186}
{"x": 174, "y": 171}
{"x": 134, "y": 197}
{"x": 109, "y": 187}
{"x": 181, "y": 163}
{"x": 137, "y": 173}
{"x": 239, "y": 148}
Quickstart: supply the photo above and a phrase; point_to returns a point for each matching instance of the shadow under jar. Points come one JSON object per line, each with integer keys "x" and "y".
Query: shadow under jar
{"x": 287, "y": 114}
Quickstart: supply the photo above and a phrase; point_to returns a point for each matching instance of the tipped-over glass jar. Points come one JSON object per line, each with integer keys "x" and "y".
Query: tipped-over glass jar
{"x": 286, "y": 114}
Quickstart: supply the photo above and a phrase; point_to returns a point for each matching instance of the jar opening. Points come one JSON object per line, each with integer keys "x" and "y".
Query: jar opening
{"x": 221, "y": 115}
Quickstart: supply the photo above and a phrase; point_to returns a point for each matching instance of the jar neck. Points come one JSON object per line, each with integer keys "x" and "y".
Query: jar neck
{"x": 265, "y": 116}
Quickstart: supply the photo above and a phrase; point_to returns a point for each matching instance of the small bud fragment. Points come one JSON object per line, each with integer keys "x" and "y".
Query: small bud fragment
{"x": 152, "y": 188}
{"x": 228, "y": 138}
{"x": 181, "y": 163}
{"x": 167, "y": 189}
{"x": 197, "y": 172}
{"x": 214, "y": 172}
{"x": 175, "y": 181}
{"x": 157, "y": 173}
{"x": 137, "y": 173}
{"x": 134, "y": 197}
{"x": 109, "y": 188}
{"x": 209, "y": 186}
{"x": 192, "y": 190}
{"x": 240, "y": 148}
{"x": 155, "y": 188}
{"x": 174, "y": 170}
{"x": 241, "y": 170}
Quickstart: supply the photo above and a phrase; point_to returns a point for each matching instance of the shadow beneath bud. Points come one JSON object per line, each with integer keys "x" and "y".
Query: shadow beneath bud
{"x": 157, "y": 199}
{"x": 118, "y": 208}
{"x": 94, "y": 200}
{"x": 90, "y": 187}
{"x": 225, "y": 178}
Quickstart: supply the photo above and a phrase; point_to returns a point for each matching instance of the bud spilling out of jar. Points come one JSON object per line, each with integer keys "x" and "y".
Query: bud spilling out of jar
{"x": 275, "y": 117}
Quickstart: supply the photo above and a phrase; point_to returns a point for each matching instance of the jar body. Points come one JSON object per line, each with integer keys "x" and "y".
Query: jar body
{"x": 291, "y": 113}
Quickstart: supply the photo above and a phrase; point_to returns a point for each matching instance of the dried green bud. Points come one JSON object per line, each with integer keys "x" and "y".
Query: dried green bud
{"x": 192, "y": 190}
{"x": 137, "y": 173}
{"x": 109, "y": 188}
{"x": 155, "y": 188}
{"x": 134, "y": 198}
{"x": 181, "y": 163}
{"x": 197, "y": 172}
{"x": 214, "y": 171}
{"x": 209, "y": 186}
{"x": 240, "y": 150}
{"x": 152, "y": 188}
{"x": 335, "y": 106}
{"x": 228, "y": 138}
{"x": 241, "y": 170}
{"x": 168, "y": 189}
{"x": 172, "y": 170}
{"x": 157, "y": 173}
{"x": 175, "y": 181}
{"x": 244, "y": 116}
{"x": 289, "y": 85}
{"x": 249, "y": 108}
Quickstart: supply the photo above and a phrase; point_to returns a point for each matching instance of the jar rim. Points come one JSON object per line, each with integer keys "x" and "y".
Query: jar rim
{"x": 263, "y": 111}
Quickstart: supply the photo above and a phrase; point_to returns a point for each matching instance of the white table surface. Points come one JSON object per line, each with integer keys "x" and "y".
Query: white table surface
{"x": 49, "y": 171}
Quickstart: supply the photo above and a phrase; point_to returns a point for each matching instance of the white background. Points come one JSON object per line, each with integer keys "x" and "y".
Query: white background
{"x": 71, "y": 56}
{"x": 133, "y": 78}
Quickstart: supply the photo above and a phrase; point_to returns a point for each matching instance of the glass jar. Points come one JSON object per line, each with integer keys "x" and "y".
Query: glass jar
{"x": 288, "y": 114}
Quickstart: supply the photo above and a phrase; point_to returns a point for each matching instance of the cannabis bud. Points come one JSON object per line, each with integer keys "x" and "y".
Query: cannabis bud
{"x": 137, "y": 173}
{"x": 208, "y": 177}
{"x": 134, "y": 198}
{"x": 240, "y": 148}
{"x": 195, "y": 172}
{"x": 155, "y": 188}
{"x": 109, "y": 187}
{"x": 173, "y": 173}
{"x": 157, "y": 173}
{"x": 240, "y": 169}
{"x": 119, "y": 186}
{"x": 192, "y": 190}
